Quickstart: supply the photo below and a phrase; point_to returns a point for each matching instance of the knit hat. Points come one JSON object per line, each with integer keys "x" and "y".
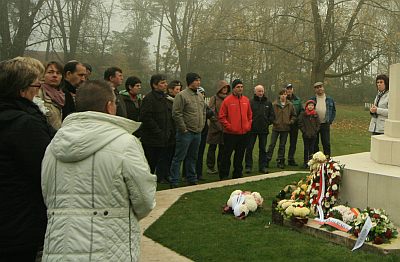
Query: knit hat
{"x": 310, "y": 101}
{"x": 236, "y": 82}
{"x": 191, "y": 77}
{"x": 318, "y": 84}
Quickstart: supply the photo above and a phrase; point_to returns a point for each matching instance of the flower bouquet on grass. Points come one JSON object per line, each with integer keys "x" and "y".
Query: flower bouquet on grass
{"x": 240, "y": 203}
{"x": 382, "y": 229}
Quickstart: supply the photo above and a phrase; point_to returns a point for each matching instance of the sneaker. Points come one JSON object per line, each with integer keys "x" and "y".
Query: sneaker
{"x": 292, "y": 163}
{"x": 248, "y": 170}
{"x": 192, "y": 183}
{"x": 211, "y": 171}
{"x": 263, "y": 171}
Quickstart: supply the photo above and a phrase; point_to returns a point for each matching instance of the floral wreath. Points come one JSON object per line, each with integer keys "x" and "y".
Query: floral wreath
{"x": 382, "y": 228}
{"x": 326, "y": 176}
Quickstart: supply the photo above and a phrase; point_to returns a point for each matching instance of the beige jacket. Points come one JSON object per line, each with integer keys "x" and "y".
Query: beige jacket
{"x": 54, "y": 114}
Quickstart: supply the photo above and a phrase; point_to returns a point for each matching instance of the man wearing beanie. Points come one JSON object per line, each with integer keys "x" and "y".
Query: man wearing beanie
{"x": 189, "y": 114}
{"x": 236, "y": 117}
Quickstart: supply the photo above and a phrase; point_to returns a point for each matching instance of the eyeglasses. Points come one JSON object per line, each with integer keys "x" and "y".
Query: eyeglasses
{"x": 35, "y": 85}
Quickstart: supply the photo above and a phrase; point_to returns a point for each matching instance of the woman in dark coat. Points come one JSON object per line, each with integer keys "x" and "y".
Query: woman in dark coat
{"x": 24, "y": 136}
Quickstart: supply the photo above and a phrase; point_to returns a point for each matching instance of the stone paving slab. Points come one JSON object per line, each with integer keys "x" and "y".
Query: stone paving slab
{"x": 153, "y": 251}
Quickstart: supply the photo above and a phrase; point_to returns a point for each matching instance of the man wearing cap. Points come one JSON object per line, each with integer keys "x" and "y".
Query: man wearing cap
{"x": 326, "y": 110}
{"x": 236, "y": 117}
{"x": 189, "y": 114}
{"x": 294, "y": 128}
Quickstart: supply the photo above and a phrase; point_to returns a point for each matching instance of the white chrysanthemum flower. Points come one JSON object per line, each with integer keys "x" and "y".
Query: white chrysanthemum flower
{"x": 250, "y": 202}
{"x": 236, "y": 192}
{"x": 319, "y": 157}
{"x": 244, "y": 209}
{"x": 287, "y": 204}
{"x": 289, "y": 210}
{"x": 257, "y": 196}
{"x": 334, "y": 187}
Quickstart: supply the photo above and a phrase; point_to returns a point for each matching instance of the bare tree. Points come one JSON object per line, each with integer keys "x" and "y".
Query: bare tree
{"x": 17, "y": 19}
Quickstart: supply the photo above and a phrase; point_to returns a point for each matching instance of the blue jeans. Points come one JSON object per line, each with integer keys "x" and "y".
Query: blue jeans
{"x": 187, "y": 146}
{"x": 262, "y": 153}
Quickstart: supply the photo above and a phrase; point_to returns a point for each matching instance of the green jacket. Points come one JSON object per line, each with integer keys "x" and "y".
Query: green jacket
{"x": 189, "y": 111}
{"x": 298, "y": 107}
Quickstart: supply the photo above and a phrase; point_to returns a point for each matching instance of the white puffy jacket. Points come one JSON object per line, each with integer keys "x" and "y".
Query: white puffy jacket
{"x": 96, "y": 185}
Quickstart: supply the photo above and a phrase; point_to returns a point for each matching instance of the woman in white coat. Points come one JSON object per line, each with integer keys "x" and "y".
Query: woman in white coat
{"x": 379, "y": 110}
{"x": 96, "y": 183}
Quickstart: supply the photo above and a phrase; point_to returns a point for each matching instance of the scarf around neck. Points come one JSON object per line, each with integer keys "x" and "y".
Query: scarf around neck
{"x": 56, "y": 95}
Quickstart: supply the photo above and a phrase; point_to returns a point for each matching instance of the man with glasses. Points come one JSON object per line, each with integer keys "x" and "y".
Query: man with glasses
{"x": 326, "y": 110}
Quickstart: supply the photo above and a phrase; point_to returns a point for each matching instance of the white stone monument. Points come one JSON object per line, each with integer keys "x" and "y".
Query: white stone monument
{"x": 372, "y": 179}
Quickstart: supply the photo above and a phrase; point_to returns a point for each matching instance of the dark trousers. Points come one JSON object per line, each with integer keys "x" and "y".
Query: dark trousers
{"x": 309, "y": 147}
{"x": 325, "y": 134}
{"x": 159, "y": 160}
{"x": 232, "y": 143}
{"x": 283, "y": 135}
{"x": 293, "y": 134}
{"x": 211, "y": 155}
{"x": 28, "y": 255}
{"x": 262, "y": 152}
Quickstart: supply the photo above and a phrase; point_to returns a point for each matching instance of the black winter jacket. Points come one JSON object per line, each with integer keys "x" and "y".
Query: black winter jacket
{"x": 263, "y": 114}
{"x": 24, "y": 136}
{"x": 156, "y": 117}
{"x": 309, "y": 125}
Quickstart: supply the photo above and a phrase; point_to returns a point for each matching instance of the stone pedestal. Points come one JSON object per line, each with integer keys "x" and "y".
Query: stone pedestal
{"x": 385, "y": 149}
{"x": 370, "y": 184}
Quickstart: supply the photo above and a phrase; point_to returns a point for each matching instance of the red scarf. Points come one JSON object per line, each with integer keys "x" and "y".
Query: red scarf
{"x": 310, "y": 112}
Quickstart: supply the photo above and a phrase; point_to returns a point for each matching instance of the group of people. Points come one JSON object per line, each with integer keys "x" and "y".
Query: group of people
{"x": 80, "y": 160}
{"x": 76, "y": 191}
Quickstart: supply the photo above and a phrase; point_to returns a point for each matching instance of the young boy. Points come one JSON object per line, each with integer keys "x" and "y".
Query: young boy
{"x": 284, "y": 117}
{"x": 309, "y": 125}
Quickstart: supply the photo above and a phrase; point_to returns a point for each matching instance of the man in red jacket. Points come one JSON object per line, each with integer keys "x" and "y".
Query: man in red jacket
{"x": 236, "y": 117}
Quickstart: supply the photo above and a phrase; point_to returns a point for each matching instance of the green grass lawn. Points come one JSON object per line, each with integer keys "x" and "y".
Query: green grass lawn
{"x": 196, "y": 228}
{"x": 349, "y": 135}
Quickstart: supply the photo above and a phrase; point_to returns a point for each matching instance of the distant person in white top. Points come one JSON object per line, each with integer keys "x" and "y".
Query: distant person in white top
{"x": 379, "y": 110}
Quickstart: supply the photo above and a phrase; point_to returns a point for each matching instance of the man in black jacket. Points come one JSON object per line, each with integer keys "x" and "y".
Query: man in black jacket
{"x": 157, "y": 128}
{"x": 74, "y": 75}
{"x": 263, "y": 116}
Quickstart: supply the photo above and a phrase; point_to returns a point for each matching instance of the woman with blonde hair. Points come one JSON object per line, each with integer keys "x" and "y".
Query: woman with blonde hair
{"x": 24, "y": 136}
